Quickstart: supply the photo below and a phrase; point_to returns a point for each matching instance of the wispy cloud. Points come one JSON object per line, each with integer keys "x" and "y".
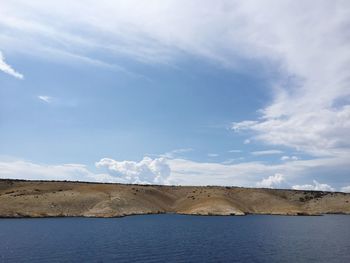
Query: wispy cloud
{"x": 266, "y": 152}
{"x": 173, "y": 153}
{"x": 235, "y": 151}
{"x": 46, "y": 99}
{"x": 310, "y": 110}
{"x": 309, "y": 51}
{"x": 233, "y": 160}
{"x": 8, "y": 69}
{"x": 289, "y": 158}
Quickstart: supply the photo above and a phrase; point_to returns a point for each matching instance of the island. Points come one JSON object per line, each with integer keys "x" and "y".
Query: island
{"x": 21, "y": 198}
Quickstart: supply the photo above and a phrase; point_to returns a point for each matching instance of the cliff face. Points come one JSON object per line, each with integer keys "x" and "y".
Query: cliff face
{"x": 46, "y": 199}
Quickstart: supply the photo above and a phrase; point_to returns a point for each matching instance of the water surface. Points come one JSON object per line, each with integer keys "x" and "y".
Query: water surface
{"x": 177, "y": 238}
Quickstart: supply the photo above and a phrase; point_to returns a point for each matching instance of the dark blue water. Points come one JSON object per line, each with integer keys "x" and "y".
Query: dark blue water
{"x": 176, "y": 238}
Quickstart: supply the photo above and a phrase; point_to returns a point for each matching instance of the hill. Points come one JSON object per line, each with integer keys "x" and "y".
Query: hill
{"x": 55, "y": 198}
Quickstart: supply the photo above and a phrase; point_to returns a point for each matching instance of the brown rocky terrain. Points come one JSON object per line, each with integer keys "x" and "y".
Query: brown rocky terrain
{"x": 52, "y": 198}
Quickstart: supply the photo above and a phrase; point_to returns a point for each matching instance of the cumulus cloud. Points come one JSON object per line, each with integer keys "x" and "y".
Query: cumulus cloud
{"x": 273, "y": 181}
{"x": 8, "y": 69}
{"x": 147, "y": 171}
{"x": 176, "y": 172}
{"x": 316, "y": 187}
{"x": 266, "y": 152}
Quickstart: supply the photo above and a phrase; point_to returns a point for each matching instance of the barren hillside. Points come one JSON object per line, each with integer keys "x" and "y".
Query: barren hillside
{"x": 48, "y": 199}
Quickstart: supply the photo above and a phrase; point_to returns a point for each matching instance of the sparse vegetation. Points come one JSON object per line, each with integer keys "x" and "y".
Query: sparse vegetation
{"x": 109, "y": 200}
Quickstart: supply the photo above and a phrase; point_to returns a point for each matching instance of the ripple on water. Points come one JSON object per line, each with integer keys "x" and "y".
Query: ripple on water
{"x": 177, "y": 238}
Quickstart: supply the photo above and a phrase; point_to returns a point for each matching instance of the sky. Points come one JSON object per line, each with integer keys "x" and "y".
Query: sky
{"x": 244, "y": 93}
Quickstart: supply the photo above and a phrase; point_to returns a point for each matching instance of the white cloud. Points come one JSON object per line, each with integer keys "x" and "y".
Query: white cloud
{"x": 188, "y": 172}
{"x": 237, "y": 126}
{"x": 8, "y": 69}
{"x": 310, "y": 110}
{"x": 234, "y": 151}
{"x": 267, "y": 152}
{"x": 321, "y": 132}
{"x": 289, "y": 158}
{"x": 19, "y": 169}
{"x": 305, "y": 46}
{"x": 176, "y": 153}
{"x": 345, "y": 189}
{"x": 175, "y": 172}
{"x": 147, "y": 171}
{"x": 213, "y": 155}
{"x": 46, "y": 99}
{"x": 316, "y": 187}
{"x": 273, "y": 181}
{"x": 232, "y": 160}
{"x": 246, "y": 141}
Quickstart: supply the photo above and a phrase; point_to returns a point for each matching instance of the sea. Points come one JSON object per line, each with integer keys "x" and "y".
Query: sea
{"x": 177, "y": 238}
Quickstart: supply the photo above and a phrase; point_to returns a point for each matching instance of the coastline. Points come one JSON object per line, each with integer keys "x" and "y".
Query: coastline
{"x": 48, "y": 199}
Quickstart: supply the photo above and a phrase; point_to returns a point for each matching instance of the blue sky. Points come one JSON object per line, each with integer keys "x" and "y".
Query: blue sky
{"x": 171, "y": 92}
